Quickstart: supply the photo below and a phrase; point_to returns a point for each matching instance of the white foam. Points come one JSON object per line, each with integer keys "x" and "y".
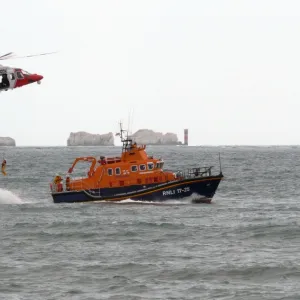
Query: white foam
{"x": 182, "y": 201}
{"x": 8, "y": 197}
{"x": 187, "y": 200}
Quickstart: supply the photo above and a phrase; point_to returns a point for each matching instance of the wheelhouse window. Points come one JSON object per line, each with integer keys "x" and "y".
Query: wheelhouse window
{"x": 159, "y": 165}
{"x": 150, "y": 166}
{"x": 110, "y": 172}
{"x": 118, "y": 171}
{"x": 142, "y": 167}
{"x": 134, "y": 168}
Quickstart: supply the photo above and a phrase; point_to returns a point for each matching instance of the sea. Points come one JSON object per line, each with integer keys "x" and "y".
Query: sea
{"x": 244, "y": 245}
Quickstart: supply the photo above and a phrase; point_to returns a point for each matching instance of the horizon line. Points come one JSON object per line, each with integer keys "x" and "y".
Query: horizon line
{"x": 161, "y": 145}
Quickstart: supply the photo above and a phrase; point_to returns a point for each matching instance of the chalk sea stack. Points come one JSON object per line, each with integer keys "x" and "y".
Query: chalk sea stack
{"x": 83, "y": 138}
{"x": 142, "y": 136}
{"x": 150, "y": 137}
{"x": 7, "y": 141}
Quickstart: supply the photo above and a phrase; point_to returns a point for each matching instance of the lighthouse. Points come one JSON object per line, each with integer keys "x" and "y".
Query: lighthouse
{"x": 186, "y": 137}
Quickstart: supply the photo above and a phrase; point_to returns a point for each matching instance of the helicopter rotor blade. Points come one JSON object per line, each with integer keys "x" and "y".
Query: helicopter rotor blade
{"x": 12, "y": 55}
{"x": 7, "y": 56}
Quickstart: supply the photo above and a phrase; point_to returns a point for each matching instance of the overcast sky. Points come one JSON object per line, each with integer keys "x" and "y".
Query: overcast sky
{"x": 227, "y": 70}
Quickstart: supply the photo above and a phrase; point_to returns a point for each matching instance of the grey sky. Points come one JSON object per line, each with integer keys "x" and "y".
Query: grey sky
{"x": 227, "y": 70}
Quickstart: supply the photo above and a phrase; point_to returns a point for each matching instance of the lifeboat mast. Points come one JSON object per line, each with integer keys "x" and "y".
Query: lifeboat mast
{"x": 127, "y": 142}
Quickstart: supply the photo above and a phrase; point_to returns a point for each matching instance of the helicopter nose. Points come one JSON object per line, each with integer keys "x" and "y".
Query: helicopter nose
{"x": 38, "y": 77}
{"x": 35, "y": 78}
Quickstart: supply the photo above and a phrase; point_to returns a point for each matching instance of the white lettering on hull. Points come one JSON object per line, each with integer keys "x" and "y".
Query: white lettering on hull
{"x": 176, "y": 191}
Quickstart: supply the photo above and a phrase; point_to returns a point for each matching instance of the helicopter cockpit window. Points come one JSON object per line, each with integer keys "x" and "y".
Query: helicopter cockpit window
{"x": 12, "y": 76}
{"x": 25, "y": 72}
{"x": 19, "y": 75}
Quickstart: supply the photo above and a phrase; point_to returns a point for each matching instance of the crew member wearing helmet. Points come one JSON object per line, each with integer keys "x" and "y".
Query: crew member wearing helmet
{"x": 57, "y": 182}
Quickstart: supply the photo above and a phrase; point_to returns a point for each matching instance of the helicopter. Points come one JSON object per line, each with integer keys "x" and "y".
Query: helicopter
{"x": 11, "y": 78}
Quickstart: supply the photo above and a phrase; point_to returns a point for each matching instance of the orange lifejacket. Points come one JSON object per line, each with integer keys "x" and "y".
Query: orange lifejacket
{"x": 68, "y": 183}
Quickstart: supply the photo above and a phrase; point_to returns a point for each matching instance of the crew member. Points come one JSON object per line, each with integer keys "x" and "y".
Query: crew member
{"x": 68, "y": 183}
{"x": 3, "y": 167}
{"x": 102, "y": 160}
{"x": 57, "y": 179}
{"x": 57, "y": 182}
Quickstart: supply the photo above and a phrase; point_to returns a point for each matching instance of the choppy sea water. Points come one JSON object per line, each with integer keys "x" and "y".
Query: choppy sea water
{"x": 245, "y": 245}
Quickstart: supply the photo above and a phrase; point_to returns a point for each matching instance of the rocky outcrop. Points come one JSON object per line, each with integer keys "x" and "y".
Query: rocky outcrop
{"x": 83, "y": 138}
{"x": 150, "y": 137}
{"x": 7, "y": 141}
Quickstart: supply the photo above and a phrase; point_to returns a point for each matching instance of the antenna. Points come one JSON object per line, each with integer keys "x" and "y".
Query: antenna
{"x": 121, "y": 132}
{"x": 131, "y": 125}
{"x": 220, "y": 163}
{"x": 128, "y": 124}
{"x": 130, "y": 121}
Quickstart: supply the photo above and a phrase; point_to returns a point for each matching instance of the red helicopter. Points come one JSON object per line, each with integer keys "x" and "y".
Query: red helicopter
{"x": 11, "y": 78}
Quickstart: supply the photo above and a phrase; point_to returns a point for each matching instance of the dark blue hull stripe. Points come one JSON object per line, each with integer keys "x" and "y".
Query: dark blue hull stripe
{"x": 204, "y": 187}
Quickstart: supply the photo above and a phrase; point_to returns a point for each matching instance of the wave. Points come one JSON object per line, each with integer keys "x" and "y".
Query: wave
{"x": 8, "y": 197}
{"x": 184, "y": 201}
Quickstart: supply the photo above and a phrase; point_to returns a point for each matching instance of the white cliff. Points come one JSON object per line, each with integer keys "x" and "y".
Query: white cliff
{"x": 150, "y": 137}
{"x": 7, "y": 141}
{"x": 83, "y": 138}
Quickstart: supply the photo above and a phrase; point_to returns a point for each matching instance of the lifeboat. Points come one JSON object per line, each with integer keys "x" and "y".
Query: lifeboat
{"x": 134, "y": 175}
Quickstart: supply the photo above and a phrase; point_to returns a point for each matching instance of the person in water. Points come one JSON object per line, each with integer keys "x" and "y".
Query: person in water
{"x": 3, "y": 167}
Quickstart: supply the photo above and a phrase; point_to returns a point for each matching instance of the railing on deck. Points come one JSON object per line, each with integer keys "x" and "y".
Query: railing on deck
{"x": 194, "y": 172}
{"x": 76, "y": 187}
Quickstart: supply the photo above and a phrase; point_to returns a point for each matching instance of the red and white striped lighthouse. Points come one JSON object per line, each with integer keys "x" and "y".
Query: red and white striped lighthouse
{"x": 186, "y": 136}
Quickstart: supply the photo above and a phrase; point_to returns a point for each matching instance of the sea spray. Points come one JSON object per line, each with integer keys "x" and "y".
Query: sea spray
{"x": 8, "y": 197}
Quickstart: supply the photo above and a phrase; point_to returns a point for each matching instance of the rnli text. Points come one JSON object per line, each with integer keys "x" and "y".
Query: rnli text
{"x": 176, "y": 191}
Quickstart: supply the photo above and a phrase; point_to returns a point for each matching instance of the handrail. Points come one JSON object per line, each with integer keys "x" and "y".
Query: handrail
{"x": 194, "y": 172}
{"x": 84, "y": 158}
